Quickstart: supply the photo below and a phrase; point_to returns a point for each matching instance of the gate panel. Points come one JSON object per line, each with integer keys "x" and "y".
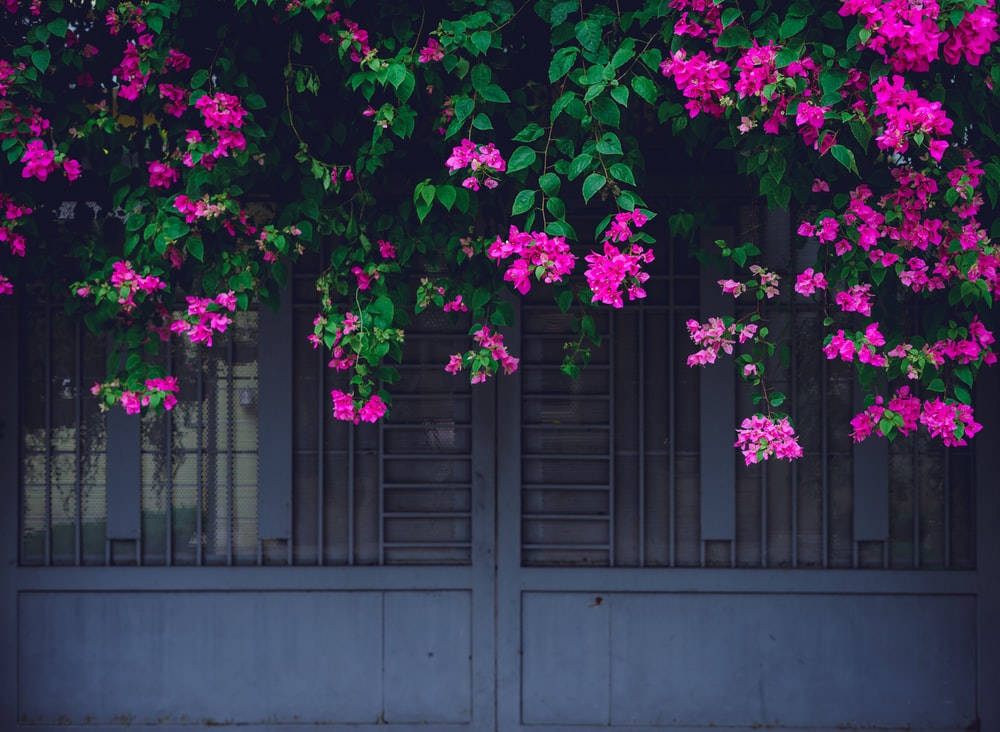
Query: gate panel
{"x": 797, "y": 661}
{"x": 654, "y": 659}
{"x": 623, "y": 605}
{"x": 244, "y": 657}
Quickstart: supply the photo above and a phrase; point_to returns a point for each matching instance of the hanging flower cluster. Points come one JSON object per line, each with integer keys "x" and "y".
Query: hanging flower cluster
{"x": 484, "y": 162}
{"x": 547, "y": 259}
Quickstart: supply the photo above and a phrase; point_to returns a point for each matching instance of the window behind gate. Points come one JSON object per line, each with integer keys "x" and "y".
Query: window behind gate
{"x": 610, "y": 463}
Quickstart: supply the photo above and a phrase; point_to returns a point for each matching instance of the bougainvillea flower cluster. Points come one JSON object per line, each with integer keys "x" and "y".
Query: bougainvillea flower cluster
{"x": 547, "y": 259}
{"x": 484, "y": 162}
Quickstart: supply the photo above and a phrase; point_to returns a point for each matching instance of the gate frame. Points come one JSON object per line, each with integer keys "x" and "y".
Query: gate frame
{"x": 514, "y": 580}
{"x": 477, "y": 578}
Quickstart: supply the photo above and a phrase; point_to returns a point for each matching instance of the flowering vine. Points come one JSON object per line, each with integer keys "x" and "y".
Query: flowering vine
{"x": 229, "y": 142}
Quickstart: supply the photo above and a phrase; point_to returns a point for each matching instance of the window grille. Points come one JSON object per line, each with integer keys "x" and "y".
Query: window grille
{"x": 199, "y": 461}
{"x": 62, "y": 437}
{"x": 610, "y": 462}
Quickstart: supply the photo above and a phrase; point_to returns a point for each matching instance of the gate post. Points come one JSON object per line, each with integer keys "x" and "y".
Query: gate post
{"x": 10, "y": 488}
{"x": 988, "y": 550}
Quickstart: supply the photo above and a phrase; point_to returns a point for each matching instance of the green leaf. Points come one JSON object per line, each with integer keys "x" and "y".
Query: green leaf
{"x": 549, "y": 183}
{"x": 735, "y": 36}
{"x": 195, "y": 247}
{"x": 446, "y": 195}
{"x": 494, "y": 93}
{"x": 423, "y": 208}
{"x": 588, "y": 33}
{"x": 936, "y": 385}
{"x": 729, "y": 16}
{"x": 580, "y": 163}
{"x": 644, "y": 88}
{"x": 592, "y": 184}
{"x": 520, "y": 159}
{"x": 845, "y": 157}
{"x": 199, "y": 78}
{"x": 135, "y": 222}
{"x": 482, "y": 40}
{"x": 58, "y": 27}
{"x": 862, "y": 133}
{"x": 777, "y": 399}
{"x": 555, "y": 206}
{"x": 482, "y": 122}
{"x": 564, "y": 300}
{"x": 562, "y": 62}
{"x": 832, "y": 79}
{"x": 523, "y": 201}
{"x": 622, "y": 172}
{"x": 405, "y": 89}
{"x": 174, "y": 228}
{"x": 41, "y": 58}
{"x": 481, "y": 77}
{"x": 609, "y": 144}
{"x": 530, "y": 133}
{"x": 562, "y": 10}
{"x": 383, "y": 311}
{"x": 397, "y": 72}
{"x": 254, "y": 101}
{"x": 594, "y": 91}
{"x": 463, "y": 108}
{"x": 606, "y": 111}
{"x": 791, "y": 26}
{"x": 620, "y": 95}
{"x": 560, "y": 228}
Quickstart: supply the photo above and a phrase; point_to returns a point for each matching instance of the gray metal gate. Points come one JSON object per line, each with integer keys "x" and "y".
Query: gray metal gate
{"x": 539, "y": 554}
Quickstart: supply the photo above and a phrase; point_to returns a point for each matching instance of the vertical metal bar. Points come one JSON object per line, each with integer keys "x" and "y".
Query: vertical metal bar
{"x": 793, "y": 387}
{"x": 672, "y": 408}
{"x": 381, "y": 493}
{"x": 947, "y": 508}
{"x": 986, "y": 513}
{"x": 763, "y": 516}
{"x": 642, "y": 435}
{"x": 612, "y": 418}
{"x": 350, "y": 493}
{"x": 169, "y": 450}
{"x": 199, "y": 529}
{"x": 916, "y": 508}
{"x": 321, "y": 460}
{"x": 48, "y": 425}
{"x": 12, "y": 498}
{"x": 77, "y": 447}
{"x": 717, "y": 406}
{"x": 230, "y": 498}
{"x": 825, "y": 462}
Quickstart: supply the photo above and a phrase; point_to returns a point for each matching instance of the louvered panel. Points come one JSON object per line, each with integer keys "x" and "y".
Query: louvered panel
{"x": 395, "y": 493}
{"x": 566, "y": 464}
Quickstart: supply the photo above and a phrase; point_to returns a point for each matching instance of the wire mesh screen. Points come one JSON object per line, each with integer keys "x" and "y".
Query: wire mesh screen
{"x": 610, "y": 461}
{"x": 395, "y": 493}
